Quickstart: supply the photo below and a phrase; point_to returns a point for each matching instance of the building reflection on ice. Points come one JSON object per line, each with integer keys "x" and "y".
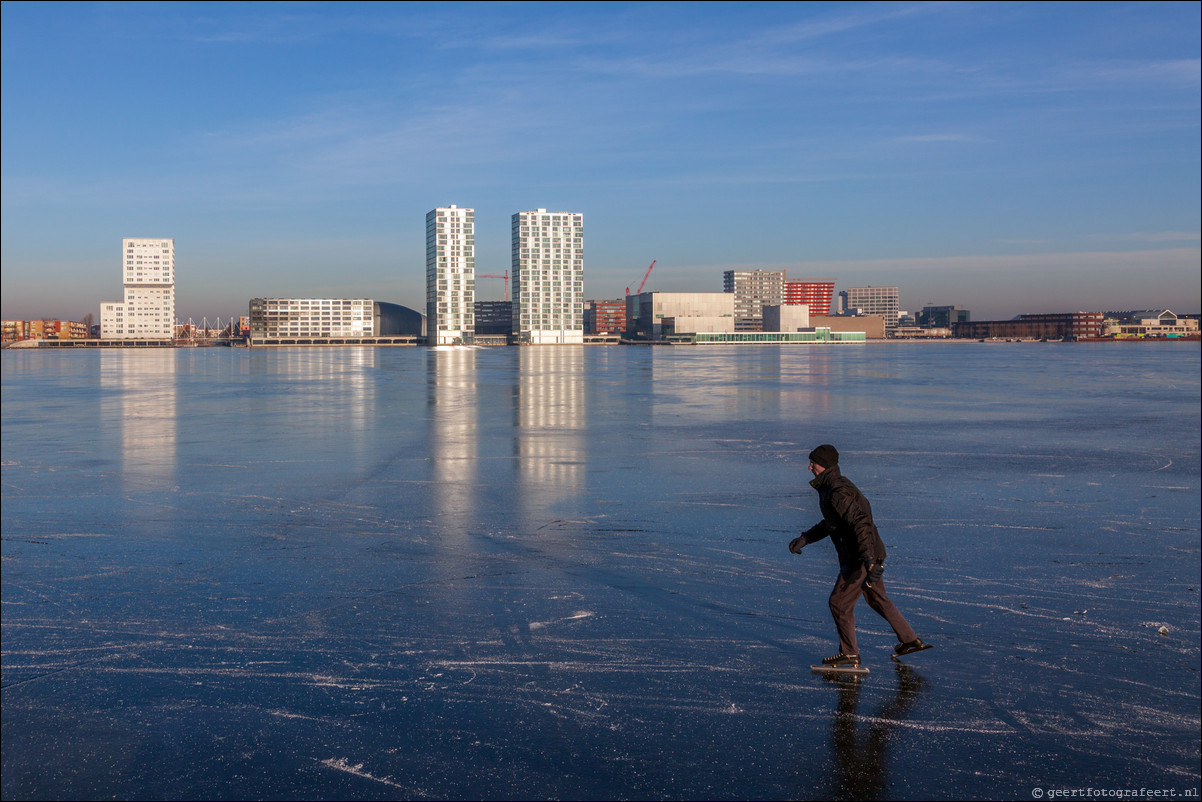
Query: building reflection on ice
{"x": 549, "y": 432}
{"x": 328, "y": 402}
{"x": 735, "y": 383}
{"x": 138, "y": 401}
{"x": 705, "y": 384}
{"x": 454, "y": 432}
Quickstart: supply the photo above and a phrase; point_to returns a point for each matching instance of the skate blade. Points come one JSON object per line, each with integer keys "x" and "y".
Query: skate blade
{"x": 839, "y": 669}
{"x": 897, "y": 657}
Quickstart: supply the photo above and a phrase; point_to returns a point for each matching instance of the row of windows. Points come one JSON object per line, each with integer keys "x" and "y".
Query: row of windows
{"x": 553, "y": 220}
{"x": 304, "y": 325}
{"x": 315, "y": 302}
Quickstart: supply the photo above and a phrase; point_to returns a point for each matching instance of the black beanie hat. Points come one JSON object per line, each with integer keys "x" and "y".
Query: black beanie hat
{"x": 825, "y": 455}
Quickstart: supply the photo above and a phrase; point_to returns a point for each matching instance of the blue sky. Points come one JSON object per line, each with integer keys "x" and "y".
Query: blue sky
{"x": 1005, "y": 157}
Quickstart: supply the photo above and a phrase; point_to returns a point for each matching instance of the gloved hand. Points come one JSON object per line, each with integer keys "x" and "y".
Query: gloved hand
{"x": 796, "y": 545}
{"x": 875, "y": 572}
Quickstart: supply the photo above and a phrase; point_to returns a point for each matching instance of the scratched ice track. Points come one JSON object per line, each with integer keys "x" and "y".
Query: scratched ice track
{"x": 562, "y": 573}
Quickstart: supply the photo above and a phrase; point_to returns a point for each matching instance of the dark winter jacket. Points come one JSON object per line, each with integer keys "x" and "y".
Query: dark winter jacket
{"x": 847, "y": 519}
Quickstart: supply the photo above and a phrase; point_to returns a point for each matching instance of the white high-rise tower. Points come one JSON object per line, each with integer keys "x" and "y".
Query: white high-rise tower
{"x": 450, "y": 275}
{"x": 148, "y": 311}
{"x": 548, "y": 277}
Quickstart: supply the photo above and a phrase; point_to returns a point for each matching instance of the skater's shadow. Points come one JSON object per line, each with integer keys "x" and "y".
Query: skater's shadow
{"x": 860, "y": 742}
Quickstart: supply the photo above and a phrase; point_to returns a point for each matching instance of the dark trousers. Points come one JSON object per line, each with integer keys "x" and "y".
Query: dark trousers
{"x": 847, "y": 591}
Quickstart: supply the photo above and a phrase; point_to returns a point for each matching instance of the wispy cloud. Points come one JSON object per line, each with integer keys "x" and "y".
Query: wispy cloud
{"x": 1151, "y": 236}
{"x": 1185, "y": 72}
{"x": 944, "y": 137}
{"x": 806, "y": 47}
{"x": 1146, "y": 237}
{"x": 843, "y": 21}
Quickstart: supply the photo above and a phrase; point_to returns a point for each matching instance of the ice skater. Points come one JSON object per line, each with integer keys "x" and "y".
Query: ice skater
{"x": 847, "y": 520}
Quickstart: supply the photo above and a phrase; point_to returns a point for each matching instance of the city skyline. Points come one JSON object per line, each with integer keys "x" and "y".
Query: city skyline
{"x": 1002, "y": 158}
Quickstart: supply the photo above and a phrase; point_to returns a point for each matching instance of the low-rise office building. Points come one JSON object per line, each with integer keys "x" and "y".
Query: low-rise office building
{"x": 942, "y": 317}
{"x": 331, "y": 319}
{"x": 921, "y": 333}
{"x": 604, "y": 317}
{"x": 873, "y": 326}
{"x": 659, "y": 315}
{"x": 1055, "y": 326}
{"x": 786, "y": 317}
{"x": 813, "y": 336}
{"x": 494, "y": 317}
{"x": 1163, "y": 323}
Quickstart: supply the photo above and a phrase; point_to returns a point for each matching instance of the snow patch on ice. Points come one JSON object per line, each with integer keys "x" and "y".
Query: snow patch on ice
{"x": 342, "y": 764}
{"x": 574, "y": 617}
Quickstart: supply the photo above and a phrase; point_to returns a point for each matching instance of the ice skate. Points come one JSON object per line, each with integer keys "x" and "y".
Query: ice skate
{"x": 909, "y": 647}
{"x": 840, "y": 663}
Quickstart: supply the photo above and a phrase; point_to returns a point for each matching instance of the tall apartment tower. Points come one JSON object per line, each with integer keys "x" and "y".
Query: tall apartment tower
{"x": 148, "y": 310}
{"x": 881, "y": 301}
{"x": 548, "y": 277}
{"x": 815, "y": 293}
{"x": 450, "y": 275}
{"x": 753, "y": 290}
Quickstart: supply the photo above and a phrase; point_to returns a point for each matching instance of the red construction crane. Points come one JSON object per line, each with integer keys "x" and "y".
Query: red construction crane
{"x": 646, "y": 276}
{"x": 490, "y": 275}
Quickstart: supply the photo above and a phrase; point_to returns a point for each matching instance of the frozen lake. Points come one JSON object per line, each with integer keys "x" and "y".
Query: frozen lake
{"x": 562, "y": 572}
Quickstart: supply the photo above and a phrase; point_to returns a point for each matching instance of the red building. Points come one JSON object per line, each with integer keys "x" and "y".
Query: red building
{"x": 815, "y": 293}
{"x": 605, "y": 317}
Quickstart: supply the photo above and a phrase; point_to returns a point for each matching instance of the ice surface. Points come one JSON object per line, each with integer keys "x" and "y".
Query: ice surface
{"x": 563, "y": 572}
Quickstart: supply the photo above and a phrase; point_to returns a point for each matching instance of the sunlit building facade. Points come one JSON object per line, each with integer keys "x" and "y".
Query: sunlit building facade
{"x": 273, "y": 318}
{"x": 1153, "y": 323}
{"x": 605, "y": 317}
{"x": 148, "y": 309}
{"x": 881, "y": 301}
{"x": 786, "y": 317}
{"x": 450, "y": 275}
{"x": 548, "y": 277}
{"x": 660, "y": 315}
{"x": 816, "y": 293}
{"x": 15, "y": 330}
{"x": 753, "y": 290}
